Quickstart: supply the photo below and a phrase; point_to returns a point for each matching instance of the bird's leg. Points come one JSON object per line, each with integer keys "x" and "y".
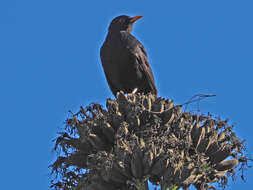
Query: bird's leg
{"x": 134, "y": 91}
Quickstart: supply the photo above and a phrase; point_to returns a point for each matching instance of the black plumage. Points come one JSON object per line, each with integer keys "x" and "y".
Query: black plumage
{"x": 124, "y": 59}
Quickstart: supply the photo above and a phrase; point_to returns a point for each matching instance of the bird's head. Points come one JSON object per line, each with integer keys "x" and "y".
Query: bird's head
{"x": 123, "y": 23}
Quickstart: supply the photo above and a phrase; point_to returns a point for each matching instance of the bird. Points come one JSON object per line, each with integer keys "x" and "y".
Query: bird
{"x": 124, "y": 59}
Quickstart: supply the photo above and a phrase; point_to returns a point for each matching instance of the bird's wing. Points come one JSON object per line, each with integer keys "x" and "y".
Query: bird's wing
{"x": 137, "y": 52}
{"x": 110, "y": 74}
{"x": 145, "y": 67}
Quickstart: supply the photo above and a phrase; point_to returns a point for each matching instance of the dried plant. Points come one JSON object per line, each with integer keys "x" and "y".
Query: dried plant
{"x": 139, "y": 138}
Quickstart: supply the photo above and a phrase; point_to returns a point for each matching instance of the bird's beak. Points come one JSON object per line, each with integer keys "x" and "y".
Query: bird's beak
{"x": 133, "y": 19}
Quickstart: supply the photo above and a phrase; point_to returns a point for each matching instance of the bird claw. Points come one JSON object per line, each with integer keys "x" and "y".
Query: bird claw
{"x": 134, "y": 91}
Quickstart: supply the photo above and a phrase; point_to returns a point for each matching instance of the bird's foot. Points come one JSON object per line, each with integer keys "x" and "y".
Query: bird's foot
{"x": 134, "y": 91}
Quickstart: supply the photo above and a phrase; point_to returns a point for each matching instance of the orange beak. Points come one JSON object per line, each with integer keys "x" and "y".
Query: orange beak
{"x": 133, "y": 19}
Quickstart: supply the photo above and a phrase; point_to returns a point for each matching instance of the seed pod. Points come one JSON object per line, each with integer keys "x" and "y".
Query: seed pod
{"x": 136, "y": 163}
{"x": 95, "y": 141}
{"x": 159, "y": 166}
{"x": 147, "y": 161}
{"x": 226, "y": 165}
{"x": 168, "y": 116}
{"x": 117, "y": 174}
{"x": 168, "y": 174}
{"x": 131, "y": 98}
{"x": 121, "y": 98}
{"x": 220, "y": 155}
{"x": 197, "y": 134}
{"x": 158, "y": 107}
{"x": 192, "y": 178}
{"x": 108, "y": 132}
{"x": 222, "y": 136}
{"x": 133, "y": 120}
{"x": 116, "y": 120}
{"x": 200, "y": 139}
{"x": 112, "y": 106}
{"x": 147, "y": 104}
{"x": 214, "y": 147}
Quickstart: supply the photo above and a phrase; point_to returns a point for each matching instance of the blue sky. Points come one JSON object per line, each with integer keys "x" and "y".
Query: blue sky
{"x": 49, "y": 64}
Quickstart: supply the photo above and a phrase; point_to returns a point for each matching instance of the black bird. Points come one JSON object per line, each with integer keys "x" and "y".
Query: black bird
{"x": 124, "y": 59}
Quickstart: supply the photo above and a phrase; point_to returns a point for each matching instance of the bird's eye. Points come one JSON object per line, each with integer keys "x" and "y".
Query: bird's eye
{"x": 126, "y": 23}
